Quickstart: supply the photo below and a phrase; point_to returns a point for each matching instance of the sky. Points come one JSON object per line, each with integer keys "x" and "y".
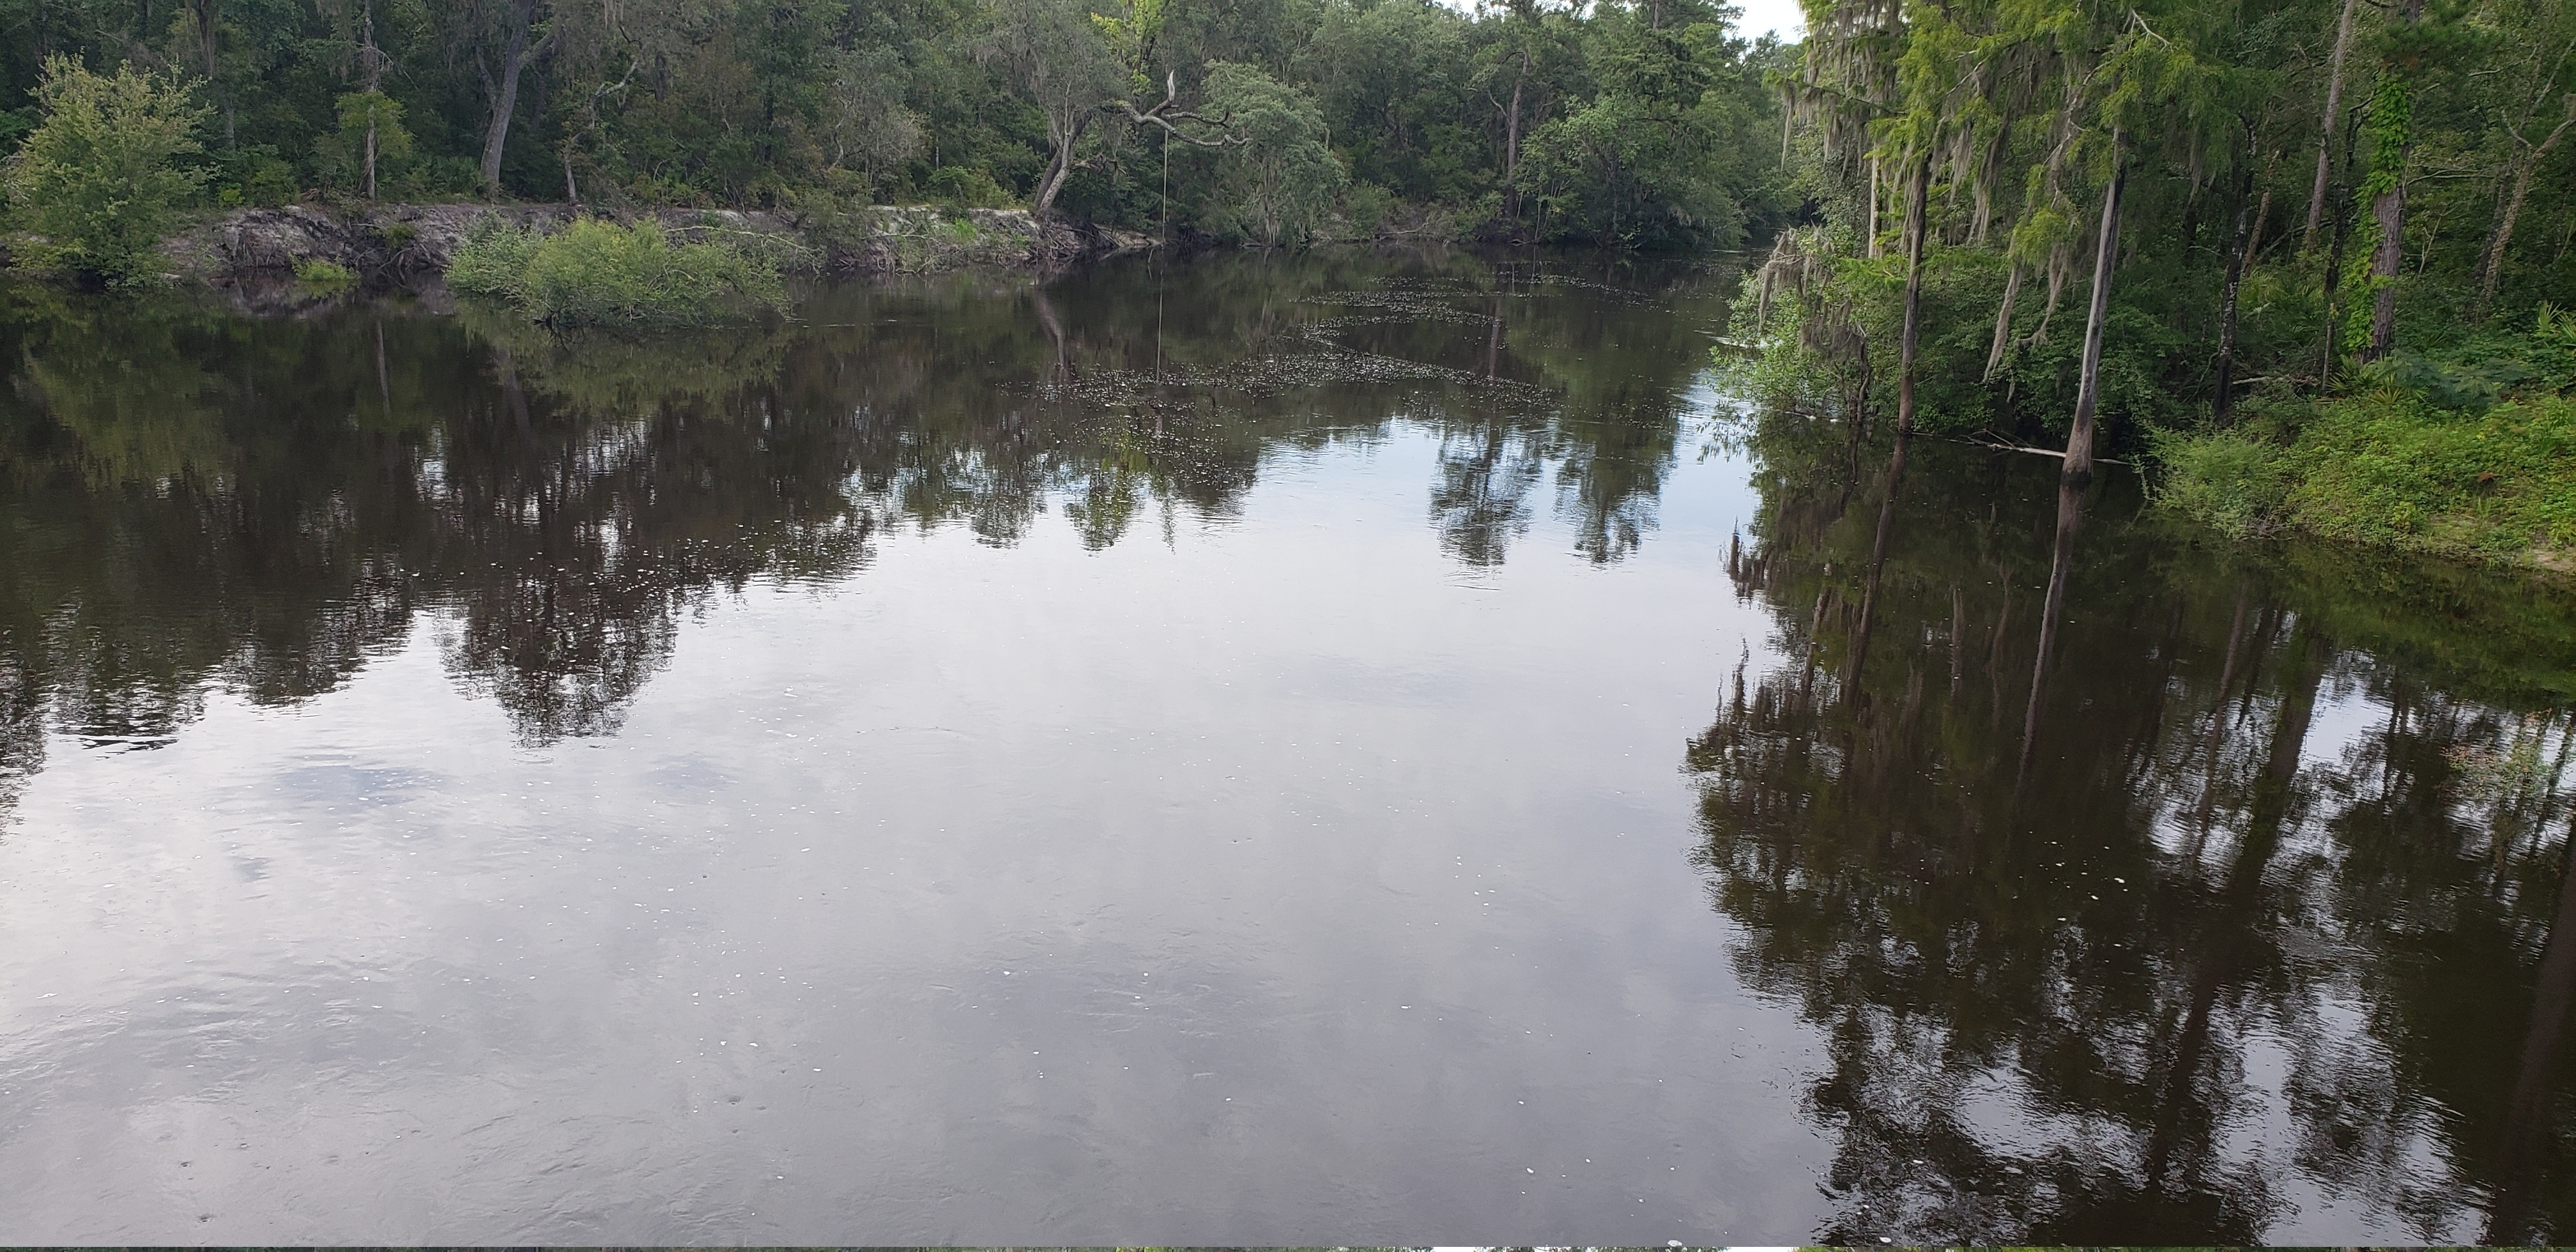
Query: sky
{"x": 1780, "y": 17}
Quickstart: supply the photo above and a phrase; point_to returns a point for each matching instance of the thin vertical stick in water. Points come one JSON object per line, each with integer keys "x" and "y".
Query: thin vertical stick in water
{"x": 2070, "y": 513}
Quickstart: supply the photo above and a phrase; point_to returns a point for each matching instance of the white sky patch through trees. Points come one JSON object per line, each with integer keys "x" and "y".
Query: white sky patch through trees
{"x": 1778, "y": 17}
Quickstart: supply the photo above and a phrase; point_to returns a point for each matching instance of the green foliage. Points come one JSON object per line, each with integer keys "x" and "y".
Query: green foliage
{"x": 2225, "y": 480}
{"x": 325, "y": 275}
{"x": 1642, "y": 164}
{"x": 2239, "y": 347}
{"x": 2471, "y": 385}
{"x": 101, "y": 179}
{"x": 2388, "y": 469}
{"x": 1279, "y": 180}
{"x": 828, "y": 106}
{"x": 344, "y": 152}
{"x": 596, "y": 272}
{"x": 2467, "y": 453}
{"x": 959, "y": 187}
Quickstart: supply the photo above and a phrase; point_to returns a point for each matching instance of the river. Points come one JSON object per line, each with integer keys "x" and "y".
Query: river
{"x": 1266, "y": 750}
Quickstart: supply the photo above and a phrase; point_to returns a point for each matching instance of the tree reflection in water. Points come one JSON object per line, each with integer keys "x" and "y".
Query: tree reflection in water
{"x": 2169, "y": 946}
{"x": 198, "y": 499}
{"x": 2188, "y": 968}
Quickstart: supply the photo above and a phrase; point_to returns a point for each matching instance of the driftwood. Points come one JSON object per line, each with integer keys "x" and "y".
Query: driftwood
{"x": 1997, "y": 443}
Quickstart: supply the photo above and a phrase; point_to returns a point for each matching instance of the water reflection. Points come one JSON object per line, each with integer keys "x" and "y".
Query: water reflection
{"x": 196, "y": 498}
{"x": 2255, "y": 913}
{"x": 2081, "y": 885}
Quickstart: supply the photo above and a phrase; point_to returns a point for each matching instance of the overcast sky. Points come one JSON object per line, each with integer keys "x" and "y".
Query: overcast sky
{"x": 1777, "y": 16}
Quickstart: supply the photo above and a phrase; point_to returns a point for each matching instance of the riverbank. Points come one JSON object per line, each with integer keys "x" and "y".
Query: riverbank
{"x": 2470, "y": 458}
{"x": 408, "y": 240}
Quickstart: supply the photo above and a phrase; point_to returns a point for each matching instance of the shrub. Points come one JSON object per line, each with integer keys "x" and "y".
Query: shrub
{"x": 2224, "y": 480}
{"x": 491, "y": 260}
{"x": 597, "y": 272}
{"x": 959, "y": 187}
{"x": 329, "y": 275}
{"x": 100, "y": 179}
{"x": 2386, "y": 469}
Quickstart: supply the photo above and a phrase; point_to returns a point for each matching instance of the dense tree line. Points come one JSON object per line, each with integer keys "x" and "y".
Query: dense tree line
{"x": 2196, "y": 215}
{"x": 1643, "y": 123}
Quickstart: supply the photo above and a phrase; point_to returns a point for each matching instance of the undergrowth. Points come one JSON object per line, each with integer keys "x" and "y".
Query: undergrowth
{"x": 598, "y": 273}
{"x": 2467, "y": 452}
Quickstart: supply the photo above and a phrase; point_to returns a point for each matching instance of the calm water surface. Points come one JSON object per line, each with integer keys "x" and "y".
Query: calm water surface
{"x": 1268, "y": 751}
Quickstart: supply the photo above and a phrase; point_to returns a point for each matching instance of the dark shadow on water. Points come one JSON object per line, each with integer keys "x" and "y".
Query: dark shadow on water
{"x": 2164, "y": 900}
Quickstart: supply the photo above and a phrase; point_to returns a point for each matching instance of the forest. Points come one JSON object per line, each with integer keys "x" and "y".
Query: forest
{"x": 2312, "y": 257}
{"x": 2309, "y": 259}
{"x": 1646, "y": 125}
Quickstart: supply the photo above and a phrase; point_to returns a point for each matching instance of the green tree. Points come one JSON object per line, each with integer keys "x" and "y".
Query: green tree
{"x": 1277, "y": 179}
{"x": 1052, "y": 51}
{"x": 371, "y": 134}
{"x": 1638, "y": 165}
{"x": 103, "y": 177}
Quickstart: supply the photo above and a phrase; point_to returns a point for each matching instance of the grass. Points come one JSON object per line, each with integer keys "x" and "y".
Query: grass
{"x": 2388, "y": 469}
{"x": 325, "y": 275}
{"x": 595, "y": 273}
{"x": 2467, "y": 452}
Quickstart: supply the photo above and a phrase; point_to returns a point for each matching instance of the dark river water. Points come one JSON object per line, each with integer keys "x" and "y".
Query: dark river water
{"x": 1266, "y": 751}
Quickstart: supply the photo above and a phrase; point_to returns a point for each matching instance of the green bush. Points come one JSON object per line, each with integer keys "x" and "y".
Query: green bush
{"x": 2224, "y": 480}
{"x": 2387, "y": 468}
{"x": 596, "y": 272}
{"x": 100, "y": 179}
{"x": 959, "y": 187}
{"x": 2468, "y": 452}
{"x": 328, "y": 275}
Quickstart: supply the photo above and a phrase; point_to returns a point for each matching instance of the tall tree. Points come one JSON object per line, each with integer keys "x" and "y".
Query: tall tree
{"x": 2392, "y": 136}
{"x": 503, "y": 38}
{"x": 1052, "y": 51}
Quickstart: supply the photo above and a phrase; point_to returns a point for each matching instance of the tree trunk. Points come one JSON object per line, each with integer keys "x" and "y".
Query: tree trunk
{"x": 2493, "y": 268}
{"x": 1873, "y": 208}
{"x": 1512, "y": 143}
{"x": 2389, "y": 209}
{"x": 1059, "y": 163}
{"x": 2325, "y": 131}
{"x": 2262, "y": 210}
{"x": 2088, "y": 388}
{"x": 2334, "y": 274}
{"x": 2388, "y": 204}
{"x": 2003, "y": 323}
{"x": 505, "y": 96}
{"x": 209, "y": 15}
{"x": 1915, "y": 211}
{"x": 372, "y": 64}
{"x": 2236, "y": 261}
